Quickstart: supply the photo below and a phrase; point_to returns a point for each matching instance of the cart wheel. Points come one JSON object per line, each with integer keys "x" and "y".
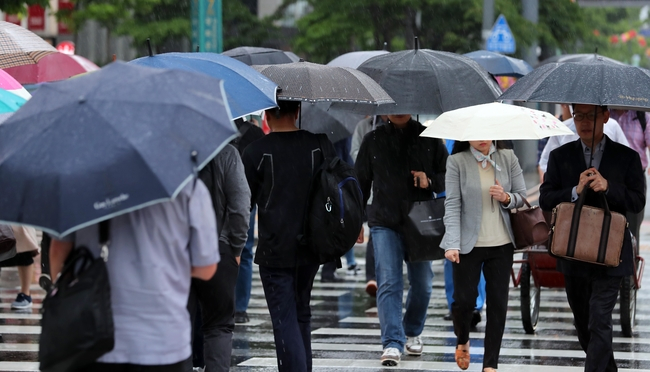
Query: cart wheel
{"x": 627, "y": 305}
{"x": 529, "y": 299}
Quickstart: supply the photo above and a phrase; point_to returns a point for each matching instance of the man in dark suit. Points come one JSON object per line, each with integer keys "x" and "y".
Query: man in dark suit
{"x": 615, "y": 171}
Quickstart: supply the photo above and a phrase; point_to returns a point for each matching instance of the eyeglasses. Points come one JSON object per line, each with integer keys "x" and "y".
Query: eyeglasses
{"x": 578, "y": 116}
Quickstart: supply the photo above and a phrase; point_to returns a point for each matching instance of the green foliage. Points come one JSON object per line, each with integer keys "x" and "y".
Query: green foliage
{"x": 18, "y": 6}
{"x": 164, "y": 21}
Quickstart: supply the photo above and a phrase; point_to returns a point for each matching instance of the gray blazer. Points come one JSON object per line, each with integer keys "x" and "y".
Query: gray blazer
{"x": 463, "y": 205}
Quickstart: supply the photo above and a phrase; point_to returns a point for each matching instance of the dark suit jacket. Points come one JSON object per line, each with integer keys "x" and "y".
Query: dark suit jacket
{"x": 621, "y": 167}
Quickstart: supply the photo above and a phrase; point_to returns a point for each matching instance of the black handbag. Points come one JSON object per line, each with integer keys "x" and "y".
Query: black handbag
{"x": 77, "y": 324}
{"x": 423, "y": 229}
{"x": 7, "y": 243}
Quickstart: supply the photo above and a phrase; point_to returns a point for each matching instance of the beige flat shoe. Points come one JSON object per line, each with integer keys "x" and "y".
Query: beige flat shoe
{"x": 462, "y": 356}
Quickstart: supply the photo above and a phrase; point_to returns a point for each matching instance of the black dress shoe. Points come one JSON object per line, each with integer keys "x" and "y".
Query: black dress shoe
{"x": 476, "y": 318}
{"x": 448, "y": 317}
{"x": 241, "y": 317}
{"x": 331, "y": 279}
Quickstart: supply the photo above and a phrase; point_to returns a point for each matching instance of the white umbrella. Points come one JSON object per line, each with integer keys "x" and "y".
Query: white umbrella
{"x": 494, "y": 121}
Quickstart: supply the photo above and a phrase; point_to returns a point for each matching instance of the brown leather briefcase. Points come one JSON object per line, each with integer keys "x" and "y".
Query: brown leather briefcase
{"x": 585, "y": 233}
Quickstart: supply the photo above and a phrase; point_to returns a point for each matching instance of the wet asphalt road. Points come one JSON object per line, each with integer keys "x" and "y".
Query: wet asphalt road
{"x": 345, "y": 332}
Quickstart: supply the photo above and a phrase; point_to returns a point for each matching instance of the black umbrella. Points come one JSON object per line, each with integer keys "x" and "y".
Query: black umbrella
{"x": 580, "y": 57}
{"x": 313, "y": 82}
{"x": 423, "y": 81}
{"x": 597, "y": 81}
{"x": 261, "y": 56}
{"x": 337, "y": 124}
{"x": 88, "y": 149}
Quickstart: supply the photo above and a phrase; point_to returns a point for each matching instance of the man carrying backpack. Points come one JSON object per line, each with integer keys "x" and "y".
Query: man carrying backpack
{"x": 634, "y": 125}
{"x": 391, "y": 160}
{"x": 279, "y": 169}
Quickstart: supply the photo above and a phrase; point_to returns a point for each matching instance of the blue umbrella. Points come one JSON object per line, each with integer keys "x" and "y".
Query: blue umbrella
{"x": 87, "y": 149}
{"x": 499, "y": 65}
{"x": 247, "y": 90}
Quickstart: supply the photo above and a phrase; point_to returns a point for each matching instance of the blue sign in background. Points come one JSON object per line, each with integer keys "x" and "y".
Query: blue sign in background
{"x": 501, "y": 38}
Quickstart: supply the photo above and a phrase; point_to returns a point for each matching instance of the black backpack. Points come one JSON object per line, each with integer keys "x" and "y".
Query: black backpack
{"x": 335, "y": 209}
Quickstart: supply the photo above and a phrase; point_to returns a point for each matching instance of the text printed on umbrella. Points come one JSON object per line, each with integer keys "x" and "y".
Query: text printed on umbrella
{"x": 110, "y": 203}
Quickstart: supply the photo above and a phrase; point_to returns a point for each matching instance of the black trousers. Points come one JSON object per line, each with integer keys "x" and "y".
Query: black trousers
{"x": 592, "y": 301}
{"x": 287, "y": 292}
{"x": 217, "y": 300}
{"x": 497, "y": 264}
{"x": 182, "y": 366}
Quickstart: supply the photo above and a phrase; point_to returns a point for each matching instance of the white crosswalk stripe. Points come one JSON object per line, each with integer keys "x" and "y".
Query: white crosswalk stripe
{"x": 346, "y": 335}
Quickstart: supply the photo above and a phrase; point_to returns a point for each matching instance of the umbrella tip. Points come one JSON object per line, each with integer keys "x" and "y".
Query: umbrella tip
{"x": 301, "y": 60}
{"x": 114, "y": 57}
{"x": 596, "y": 51}
{"x": 197, "y": 48}
{"x": 417, "y": 43}
{"x": 149, "y": 47}
{"x": 194, "y": 155}
{"x": 385, "y": 45}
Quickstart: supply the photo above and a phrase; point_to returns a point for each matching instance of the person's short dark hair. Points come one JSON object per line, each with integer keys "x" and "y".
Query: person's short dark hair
{"x": 285, "y": 108}
{"x": 602, "y": 108}
{"x": 460, "y": 146}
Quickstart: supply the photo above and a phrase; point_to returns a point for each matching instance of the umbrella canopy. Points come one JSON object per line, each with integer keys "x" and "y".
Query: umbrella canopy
{"x": 423, "y": 81}
{"x": 580, "y": 57}
{"x": 594, "y": 82}
{"x": 52, "y": 67}
{"x": 494, "y": 121}
{"x": 10, "y": 102}
{"x": 338, "y": 125}
{"x": 355, "y": 59}
{"x": 84, "y": 62}
{"x": 261, "y": 56}
{"x": 107, "y": 143}
{"x": 247, "y": 90}
{"x": 19, "y": 46}
{"x": 8, "y": 83}
{"x": 313, "y": 82}
{"x": 500, "y": 65}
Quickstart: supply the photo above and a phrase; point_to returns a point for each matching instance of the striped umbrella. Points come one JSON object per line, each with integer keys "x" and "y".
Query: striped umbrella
{"x": 19, "y": 46}
{"x": 8, "y": 83}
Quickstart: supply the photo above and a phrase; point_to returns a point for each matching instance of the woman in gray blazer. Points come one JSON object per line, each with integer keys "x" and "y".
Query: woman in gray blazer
{"x": 481, "y": 185}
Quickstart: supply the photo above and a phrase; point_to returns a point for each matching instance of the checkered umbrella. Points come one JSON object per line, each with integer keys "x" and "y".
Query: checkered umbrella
{"x": 19, "y": 46}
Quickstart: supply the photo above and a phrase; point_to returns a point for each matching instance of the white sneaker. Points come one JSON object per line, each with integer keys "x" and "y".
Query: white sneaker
{"x": 390, "y": 357}
{"x": 414, "y": 345}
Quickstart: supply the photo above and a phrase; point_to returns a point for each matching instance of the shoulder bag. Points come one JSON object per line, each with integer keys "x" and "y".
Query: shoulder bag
{"x": 7, "y": 243}
{"x": 528, "y": 224}
{"x": 423, "y": 228}
{"x": 77, "y": 324}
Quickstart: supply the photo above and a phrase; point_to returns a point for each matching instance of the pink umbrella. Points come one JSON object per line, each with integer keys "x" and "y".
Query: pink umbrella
{"x": 85, "y": 63}
{"x": 8, "y": 83}
{"x": 52, "y": 67}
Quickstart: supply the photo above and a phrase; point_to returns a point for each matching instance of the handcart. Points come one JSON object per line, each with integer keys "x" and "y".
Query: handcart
{"x": 538, "y": 270}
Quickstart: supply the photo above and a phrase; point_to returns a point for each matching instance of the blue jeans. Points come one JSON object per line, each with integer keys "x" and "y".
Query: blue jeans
{"x": 349, "y": 257}
{"x": 245, "y": 276}
{"x": 389, "y": 256}
{"x": 449, "y": 287}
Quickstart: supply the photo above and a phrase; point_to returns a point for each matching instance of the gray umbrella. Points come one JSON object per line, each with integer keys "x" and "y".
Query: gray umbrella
{"x": 355, "y": 59}
{"x": 580, "y": 57}
{"x": 261, "y": 56}
{"x": 423, "y": 81}
{"x": 337, "y": 124}
{"x": 313, "y": 82}
{"x": 597, "y": 81}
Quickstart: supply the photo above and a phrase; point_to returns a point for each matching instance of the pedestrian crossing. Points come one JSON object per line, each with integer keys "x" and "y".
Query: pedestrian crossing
{"x": 346, "y": 335}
